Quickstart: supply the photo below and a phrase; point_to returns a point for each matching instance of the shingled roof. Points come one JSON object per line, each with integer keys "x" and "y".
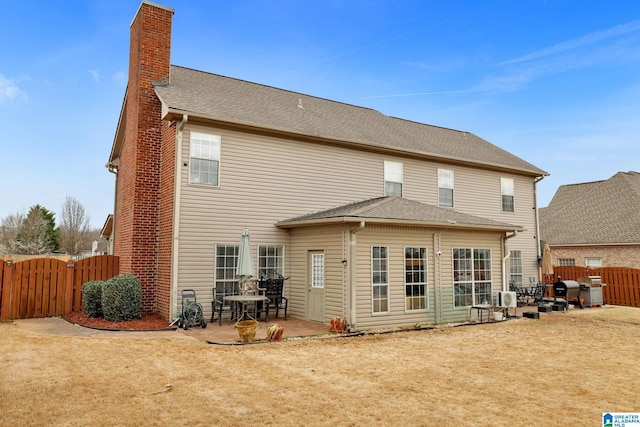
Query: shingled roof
{"x": 225, "y": 100}
{"x": 592, "y": 213}
{"x": 398, "y": 210}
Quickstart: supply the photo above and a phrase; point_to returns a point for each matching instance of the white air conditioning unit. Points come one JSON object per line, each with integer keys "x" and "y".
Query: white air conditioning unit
{"x": 507, "y": 299}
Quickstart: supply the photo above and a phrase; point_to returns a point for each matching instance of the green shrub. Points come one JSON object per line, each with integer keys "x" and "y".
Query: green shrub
{"x": 92, "y": 298}
{"x": 122, "y": 298}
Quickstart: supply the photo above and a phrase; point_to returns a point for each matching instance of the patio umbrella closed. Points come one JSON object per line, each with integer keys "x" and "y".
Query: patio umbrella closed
{"x": 547, "y": 265}
{"x": 244, "y": 269}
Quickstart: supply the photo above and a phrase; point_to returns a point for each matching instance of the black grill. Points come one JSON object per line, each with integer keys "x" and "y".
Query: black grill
{"x": 569, "y": 290}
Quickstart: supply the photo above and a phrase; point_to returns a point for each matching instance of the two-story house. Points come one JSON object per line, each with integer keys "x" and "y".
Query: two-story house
{"x": 379, "y": 220}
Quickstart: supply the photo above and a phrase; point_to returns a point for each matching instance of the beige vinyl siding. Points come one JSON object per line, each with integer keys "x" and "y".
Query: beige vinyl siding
{"x": 478, "y": 193}
{"x": 328, "y": 239}
{"x": 264, "y": 180}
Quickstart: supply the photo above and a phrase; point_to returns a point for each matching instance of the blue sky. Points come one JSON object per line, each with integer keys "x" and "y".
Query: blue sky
{"x": 554, "y": 82}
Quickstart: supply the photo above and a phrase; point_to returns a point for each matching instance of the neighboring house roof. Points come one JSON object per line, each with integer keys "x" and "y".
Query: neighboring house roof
{"x": 397, "y": 210}
{"x": 592, "y": 213}
{"x": 107, "y": 228}
{"x": 227, "y": 101}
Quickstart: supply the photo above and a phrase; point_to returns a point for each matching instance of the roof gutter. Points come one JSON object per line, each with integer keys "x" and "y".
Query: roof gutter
{"x": 391, "y": 221}
{"x": 353, "y": 275}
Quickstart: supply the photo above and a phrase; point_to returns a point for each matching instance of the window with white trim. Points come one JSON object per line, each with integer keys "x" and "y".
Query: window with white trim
{"x": 445, "y": 187}
{"x": 593, "y": 262}
{"x": 226, "y": 263}
{"x": 507, "y": 191}
{"x": 566, "y": 262}
{"x": 380, "y": 279}
{"x": 204, "y": 159}
{"x": 515, "y": 268}
{"x": 393, "y": 175}
{"x": 415, "y": 278}
{"x": 471, "y": 277}
{"x": 271, "y": 261}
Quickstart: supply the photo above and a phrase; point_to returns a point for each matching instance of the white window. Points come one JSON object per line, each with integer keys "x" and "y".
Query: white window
{"x": 392, "y": 178}
{"x": 271, "y": 261}
{"x": 515, "y": 268}
{"x": 415, "y": 278}
{"x": 471, "y": 277}
{"x": 566, "y": 262}
{"x": 204, "y": 162}
{"x": 506, "y": 189}
{"x": 380, "y": 279}
{"x": 593, "y": 262}
{"x": 226, "y": 262}
{"x": 445, "y": 187}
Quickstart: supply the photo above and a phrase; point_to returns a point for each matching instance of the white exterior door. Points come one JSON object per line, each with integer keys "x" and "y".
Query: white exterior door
{"x": 315, "y": 280}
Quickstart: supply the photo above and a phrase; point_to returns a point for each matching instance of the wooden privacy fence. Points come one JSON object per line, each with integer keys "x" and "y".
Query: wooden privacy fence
{"x": 44, "y": 287}
{"x": 623, "y": 284}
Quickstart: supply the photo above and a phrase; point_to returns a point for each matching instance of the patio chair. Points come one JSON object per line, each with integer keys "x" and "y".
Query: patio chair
{"x": 273, "y": 291}
{"x": 522, "y": 294}
{"x": 219, "y": 305}
{"x": 538, "y": 293}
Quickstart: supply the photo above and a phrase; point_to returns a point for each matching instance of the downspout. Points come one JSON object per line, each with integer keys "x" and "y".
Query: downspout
{"x": 175, "y": 247}
{"x": 535, "y": 207}
{"x": 507, "y": 254}
{"x": 353, "y": 276}
{"x": 114, "y": 170}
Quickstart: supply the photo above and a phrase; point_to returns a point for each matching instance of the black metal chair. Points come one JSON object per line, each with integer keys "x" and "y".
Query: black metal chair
{"x": 538, "y": 293}
{"x": 273, "y": 290}
{"x": 219, "y": 305}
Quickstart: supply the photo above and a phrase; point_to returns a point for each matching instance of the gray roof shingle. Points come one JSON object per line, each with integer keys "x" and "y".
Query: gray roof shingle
{"x": 230, "y": 100}
{"x": 601, "y": 212}
{"x": 398, "y": 210}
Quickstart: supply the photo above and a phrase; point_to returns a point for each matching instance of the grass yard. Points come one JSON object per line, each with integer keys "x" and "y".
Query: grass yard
{"x": 564, "y": 369}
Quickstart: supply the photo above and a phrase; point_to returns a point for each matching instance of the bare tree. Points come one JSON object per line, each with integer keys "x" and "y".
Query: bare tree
{"x": 74, "y": 228}
{"x": 9, "y": 231}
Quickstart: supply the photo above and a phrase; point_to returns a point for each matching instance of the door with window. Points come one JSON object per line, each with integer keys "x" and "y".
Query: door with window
{"x": 315, "y": 284}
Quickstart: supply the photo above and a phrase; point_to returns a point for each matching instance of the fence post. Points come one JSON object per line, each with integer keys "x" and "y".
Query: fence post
{"x": 68, "y": 288}
{"x": 5, "y": 290}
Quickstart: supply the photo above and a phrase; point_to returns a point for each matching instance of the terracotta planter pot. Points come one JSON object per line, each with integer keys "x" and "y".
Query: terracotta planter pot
{"x": 247, "y": 330}
{"x": 337, "y": 325}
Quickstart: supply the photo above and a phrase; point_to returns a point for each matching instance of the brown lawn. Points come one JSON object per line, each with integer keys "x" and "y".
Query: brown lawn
{"x": 565, "y": 369}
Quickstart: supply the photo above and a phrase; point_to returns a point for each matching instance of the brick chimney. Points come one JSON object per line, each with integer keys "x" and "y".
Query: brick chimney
{"x": 140, "y": 203}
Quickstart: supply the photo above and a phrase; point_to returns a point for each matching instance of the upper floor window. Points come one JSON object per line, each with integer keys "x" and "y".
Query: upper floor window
{"x": 506, "y": 189}
{"x": 204, "y": 152}
{"x": 445, "y": 187}
{"x": 392, "y": 178}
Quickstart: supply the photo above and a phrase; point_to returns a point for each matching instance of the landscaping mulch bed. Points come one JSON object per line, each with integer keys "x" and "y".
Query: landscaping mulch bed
{"x": 147, "y": 323}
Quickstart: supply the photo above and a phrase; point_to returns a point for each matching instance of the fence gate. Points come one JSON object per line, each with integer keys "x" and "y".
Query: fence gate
{"x": 45, "y": 287}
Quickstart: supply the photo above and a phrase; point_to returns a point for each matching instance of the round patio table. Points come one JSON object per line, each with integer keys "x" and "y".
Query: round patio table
{"x": 245, "y": 300}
